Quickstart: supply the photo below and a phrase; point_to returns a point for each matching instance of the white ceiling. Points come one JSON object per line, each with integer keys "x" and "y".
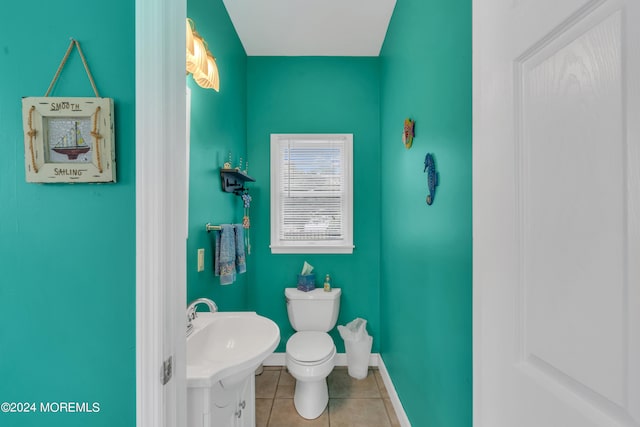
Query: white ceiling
{"x": 311, "y": 27}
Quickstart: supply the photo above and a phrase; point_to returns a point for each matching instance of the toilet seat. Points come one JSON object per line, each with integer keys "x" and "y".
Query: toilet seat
{"x": 310, "y": 347}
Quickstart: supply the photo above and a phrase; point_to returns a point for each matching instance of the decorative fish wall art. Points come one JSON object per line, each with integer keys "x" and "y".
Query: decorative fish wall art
{"x": 432, "y": 177}
{"x": 408, "y": 132}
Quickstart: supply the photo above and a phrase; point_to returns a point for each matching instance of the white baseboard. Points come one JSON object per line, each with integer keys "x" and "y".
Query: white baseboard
{"x": 275, "y": 359}
{"x": 393, "y": 396}
{"x": 279, "y": 359}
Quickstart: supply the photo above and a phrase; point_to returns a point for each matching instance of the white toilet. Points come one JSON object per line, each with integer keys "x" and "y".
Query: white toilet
{"x": 311, "y": 351}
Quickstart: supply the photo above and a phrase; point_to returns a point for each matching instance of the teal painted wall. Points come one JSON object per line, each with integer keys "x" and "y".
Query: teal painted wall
{"x": 67, "y": 252}
{"x": 218, "y": 125}
{"x": 426, "y": 250}
{"x": 67, "y": 333}
{"x": 316, "y": 95}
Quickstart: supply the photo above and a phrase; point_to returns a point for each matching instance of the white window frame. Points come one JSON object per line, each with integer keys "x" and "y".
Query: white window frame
{"x": 338, "y": 246}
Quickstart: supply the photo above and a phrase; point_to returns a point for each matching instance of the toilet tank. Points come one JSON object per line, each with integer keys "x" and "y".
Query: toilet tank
{"x": 315, "y": 310}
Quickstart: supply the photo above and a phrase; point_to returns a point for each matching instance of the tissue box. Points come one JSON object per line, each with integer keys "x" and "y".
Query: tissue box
{"x": 306, "y": 282}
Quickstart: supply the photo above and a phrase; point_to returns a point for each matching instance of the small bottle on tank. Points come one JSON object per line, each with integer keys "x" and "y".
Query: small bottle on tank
{"x": 327, "y": 283}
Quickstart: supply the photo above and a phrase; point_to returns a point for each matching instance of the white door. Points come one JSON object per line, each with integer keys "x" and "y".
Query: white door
{"x": 556, "y": 213}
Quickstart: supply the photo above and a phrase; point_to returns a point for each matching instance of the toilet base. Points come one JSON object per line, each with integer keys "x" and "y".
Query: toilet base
{"x": 311, "y": 398}
{"x": 312, "y": 394}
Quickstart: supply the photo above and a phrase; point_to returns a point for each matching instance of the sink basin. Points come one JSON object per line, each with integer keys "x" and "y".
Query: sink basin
{"x": 226, "y": 347}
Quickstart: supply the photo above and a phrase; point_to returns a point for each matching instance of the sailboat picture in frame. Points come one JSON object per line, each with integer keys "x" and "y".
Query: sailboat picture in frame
{"x": 68, "y": 139}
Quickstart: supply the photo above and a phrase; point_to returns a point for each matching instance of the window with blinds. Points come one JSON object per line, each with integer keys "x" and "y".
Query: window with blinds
{"x": 311, "y": 193}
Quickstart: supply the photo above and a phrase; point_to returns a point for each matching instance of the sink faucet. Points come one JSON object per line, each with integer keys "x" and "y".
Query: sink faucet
{"x": 192, "y": 314}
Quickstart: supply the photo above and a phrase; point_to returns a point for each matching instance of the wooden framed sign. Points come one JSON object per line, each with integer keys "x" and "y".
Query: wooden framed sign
{"x": 68, "y": 139}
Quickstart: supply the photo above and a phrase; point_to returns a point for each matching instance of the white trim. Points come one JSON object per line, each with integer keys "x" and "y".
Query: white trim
{"x": 187, "y": 159}
{"x": 160, "y": 212}
{"x": 275, "y": 359}
{"x": 393, "y": 395}
{"x": 279, "y": 359}
{"x": 312, "y": 249}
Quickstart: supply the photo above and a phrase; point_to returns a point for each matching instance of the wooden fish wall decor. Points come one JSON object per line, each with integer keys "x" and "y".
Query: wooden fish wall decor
{"x": 408, "y": 133}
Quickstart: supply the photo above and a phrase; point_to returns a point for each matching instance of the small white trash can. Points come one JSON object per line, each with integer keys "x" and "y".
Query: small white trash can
{"x": 358, "y": 352}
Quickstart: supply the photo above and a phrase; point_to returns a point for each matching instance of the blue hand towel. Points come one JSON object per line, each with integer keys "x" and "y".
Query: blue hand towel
{"x": 225, "y": 255}
{"x": 241, "y": 261}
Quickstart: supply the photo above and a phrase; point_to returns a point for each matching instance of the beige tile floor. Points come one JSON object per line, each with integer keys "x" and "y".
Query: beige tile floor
{"x": 352, "y": 403}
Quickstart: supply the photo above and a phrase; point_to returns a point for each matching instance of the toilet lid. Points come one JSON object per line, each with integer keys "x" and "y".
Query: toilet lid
{"x": 310, "y": 346}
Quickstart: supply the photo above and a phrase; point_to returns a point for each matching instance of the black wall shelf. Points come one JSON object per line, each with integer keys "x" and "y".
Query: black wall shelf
{"x": 233, "y": 180}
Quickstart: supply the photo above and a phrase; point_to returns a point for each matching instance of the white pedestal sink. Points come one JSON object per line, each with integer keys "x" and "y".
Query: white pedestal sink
{"x": 223, "y": 352}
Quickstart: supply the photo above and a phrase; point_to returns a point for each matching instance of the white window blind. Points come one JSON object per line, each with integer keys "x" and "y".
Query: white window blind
{"x": 311, "y": 193}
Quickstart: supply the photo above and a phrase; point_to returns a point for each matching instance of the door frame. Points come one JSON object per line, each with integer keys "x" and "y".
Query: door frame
{"x": 160, "y": 211}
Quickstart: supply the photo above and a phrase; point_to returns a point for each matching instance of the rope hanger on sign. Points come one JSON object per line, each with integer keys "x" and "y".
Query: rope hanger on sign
{"x": 73, "y": 43}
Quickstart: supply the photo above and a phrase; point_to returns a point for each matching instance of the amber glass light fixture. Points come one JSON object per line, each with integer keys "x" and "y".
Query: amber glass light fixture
{"x": 200, "y": 62}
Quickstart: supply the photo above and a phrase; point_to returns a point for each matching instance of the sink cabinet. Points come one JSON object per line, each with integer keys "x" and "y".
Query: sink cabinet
{"x": 224, "y": 350}
{"x": 218, "y": 406}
